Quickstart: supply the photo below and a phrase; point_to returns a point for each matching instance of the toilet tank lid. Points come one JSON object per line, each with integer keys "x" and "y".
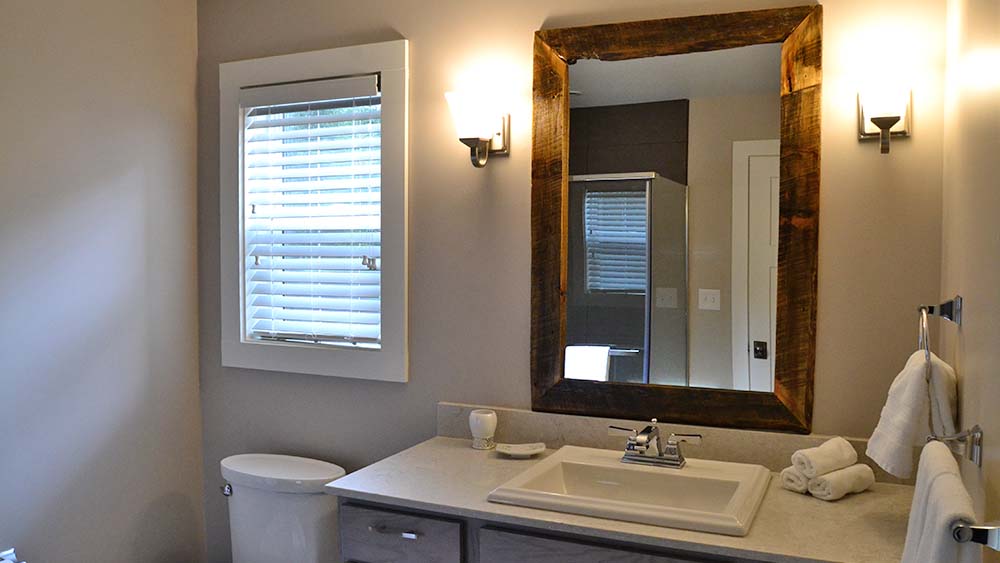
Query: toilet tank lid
{"x": 280, "y": 473}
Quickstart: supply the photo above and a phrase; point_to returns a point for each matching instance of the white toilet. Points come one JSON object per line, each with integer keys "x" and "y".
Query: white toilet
{"x": 277, "y": 508}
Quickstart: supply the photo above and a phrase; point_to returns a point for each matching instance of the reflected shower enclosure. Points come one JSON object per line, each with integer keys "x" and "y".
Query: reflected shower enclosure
{"x": 627, "y": 279}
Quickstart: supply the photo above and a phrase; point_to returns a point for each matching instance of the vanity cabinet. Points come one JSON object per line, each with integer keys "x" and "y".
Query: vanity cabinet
{"x": 381, "y": 534}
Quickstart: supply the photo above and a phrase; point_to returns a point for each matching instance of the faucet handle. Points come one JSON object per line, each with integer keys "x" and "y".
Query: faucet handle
{"x": 694, "y": 439}
{"x": 622, "y": 431}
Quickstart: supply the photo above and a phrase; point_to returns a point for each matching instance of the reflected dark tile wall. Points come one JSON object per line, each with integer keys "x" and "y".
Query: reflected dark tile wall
{"x": 630, "y": 138}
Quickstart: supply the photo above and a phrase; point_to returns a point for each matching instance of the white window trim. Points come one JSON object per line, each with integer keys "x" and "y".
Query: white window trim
{"x": 390, "y": 363}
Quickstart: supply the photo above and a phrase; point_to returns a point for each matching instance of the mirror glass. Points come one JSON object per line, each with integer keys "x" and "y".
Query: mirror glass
{"x": 673, "y": 207}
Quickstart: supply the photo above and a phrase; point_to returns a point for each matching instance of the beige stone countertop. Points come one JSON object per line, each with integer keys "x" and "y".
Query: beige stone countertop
{"x": 447, "y": 476}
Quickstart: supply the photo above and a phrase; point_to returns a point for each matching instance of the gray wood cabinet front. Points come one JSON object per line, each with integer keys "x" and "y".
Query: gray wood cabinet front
{"x": 369, "y": 535}
{"x": 502, "y": 546}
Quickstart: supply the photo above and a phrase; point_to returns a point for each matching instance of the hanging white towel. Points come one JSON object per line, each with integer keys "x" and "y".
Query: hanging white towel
{"x": 914, "y": 409}
{"x": 837, "y": 484}
{"x": 940, "y": 500}
{"x": 831, "y": 455}
{"x": 793, "y": 480}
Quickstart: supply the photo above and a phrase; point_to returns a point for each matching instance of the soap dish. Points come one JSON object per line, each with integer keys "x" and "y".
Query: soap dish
{"x": 521, "y": 451}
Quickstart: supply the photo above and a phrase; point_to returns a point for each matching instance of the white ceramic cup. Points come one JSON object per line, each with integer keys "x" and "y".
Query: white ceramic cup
{"x": 483, "y": 424}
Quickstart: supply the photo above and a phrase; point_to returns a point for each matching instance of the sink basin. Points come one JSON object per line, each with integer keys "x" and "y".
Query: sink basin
{"x": 706, "y": 496}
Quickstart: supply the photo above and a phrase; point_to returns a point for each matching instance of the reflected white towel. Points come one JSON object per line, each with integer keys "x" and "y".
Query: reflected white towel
{"x": 835, "y": 453}
{"x": 836, "y": 484}
{"x": 913, "y": 410}
{"x": 590, "y": 363}
{"x": 940, "y": 500}
{"x": 794, "y": 481}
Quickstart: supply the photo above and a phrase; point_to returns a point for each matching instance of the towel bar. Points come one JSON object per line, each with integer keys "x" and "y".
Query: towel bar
{"x": 973, "y": 440}
{"x": 951, "y": 310}
{"x": 988, "y": 535}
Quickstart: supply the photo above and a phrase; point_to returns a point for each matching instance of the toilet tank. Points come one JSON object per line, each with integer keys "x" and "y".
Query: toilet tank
{"x": 278, "y": 511}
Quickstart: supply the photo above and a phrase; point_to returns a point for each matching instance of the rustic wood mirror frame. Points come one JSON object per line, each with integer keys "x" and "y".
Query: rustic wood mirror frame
{"x": 789, "y": 407}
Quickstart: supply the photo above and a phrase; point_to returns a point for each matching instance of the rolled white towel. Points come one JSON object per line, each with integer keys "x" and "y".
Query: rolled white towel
{"x": 835, "y": 453}
{"x": 836, "y": 484}
{"x": 794, "y": 481}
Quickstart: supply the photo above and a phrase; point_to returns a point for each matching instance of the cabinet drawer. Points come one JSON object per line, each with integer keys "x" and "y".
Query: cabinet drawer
{"x": 500, "y": 546}
{"x": 371, "y": 535}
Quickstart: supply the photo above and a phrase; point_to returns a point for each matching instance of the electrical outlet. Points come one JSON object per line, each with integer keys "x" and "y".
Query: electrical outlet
{"x": 666, "y": 298}
{"x": 710, "y": 299}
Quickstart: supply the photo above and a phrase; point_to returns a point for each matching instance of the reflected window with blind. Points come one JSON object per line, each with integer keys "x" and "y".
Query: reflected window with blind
{"x": 615, "y": 235}
{"x": 311, "y": 163}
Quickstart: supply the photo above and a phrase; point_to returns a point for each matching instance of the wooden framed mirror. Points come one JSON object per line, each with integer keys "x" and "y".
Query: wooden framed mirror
{"x": 788, "y": 405}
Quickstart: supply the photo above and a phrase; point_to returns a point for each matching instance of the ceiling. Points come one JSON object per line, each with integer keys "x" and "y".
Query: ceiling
{"x": 745, "y": 70}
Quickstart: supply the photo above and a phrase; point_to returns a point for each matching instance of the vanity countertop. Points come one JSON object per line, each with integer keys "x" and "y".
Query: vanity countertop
{"x": 447, "y": 476}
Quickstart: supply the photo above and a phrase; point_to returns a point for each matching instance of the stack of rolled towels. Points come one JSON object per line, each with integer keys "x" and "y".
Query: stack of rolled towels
{"x": 829, "y": 471}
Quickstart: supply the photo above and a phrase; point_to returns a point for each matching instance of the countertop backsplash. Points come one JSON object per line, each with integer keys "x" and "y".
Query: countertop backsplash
{"x": 770, "y": 449}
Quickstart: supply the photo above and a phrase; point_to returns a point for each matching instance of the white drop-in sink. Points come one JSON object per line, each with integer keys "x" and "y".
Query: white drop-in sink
{"x": 706, "y": 496}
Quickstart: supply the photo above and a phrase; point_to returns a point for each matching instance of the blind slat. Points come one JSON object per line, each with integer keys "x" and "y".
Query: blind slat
{"x": 283, "y": 237}
{"x": 363, "y": 277}
{"x": 275, "y": 186}
{"x": 281, "y": 314}
{"x": 278, "y": 163}
{"x": 304, "y": 264}
{"x": 328, "y": 133}
{"x": 318, "y": 328}
{"x": 312, "y": 172}
{"x": 317, "y": 303}
{"x": 370, "y": 223}
{"x": 349, "y": 142}
{"x": 338, "y": 117}
{"x": 351, "y": 209}
{"x": 291, "y": 289}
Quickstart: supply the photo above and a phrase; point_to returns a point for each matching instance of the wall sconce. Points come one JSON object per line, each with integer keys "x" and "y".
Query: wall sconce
{"x": 480, "y": 125}
{"x": 882, "y": 115}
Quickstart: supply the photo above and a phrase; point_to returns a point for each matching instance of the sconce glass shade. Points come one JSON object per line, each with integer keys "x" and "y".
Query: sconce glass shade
{"x": 474, "y": 117}
{"x": 885, "y": 102}
{"x": 884, "y": 113}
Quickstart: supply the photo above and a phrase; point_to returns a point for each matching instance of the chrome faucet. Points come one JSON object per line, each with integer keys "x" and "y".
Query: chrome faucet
{"x": 644, "y": 447}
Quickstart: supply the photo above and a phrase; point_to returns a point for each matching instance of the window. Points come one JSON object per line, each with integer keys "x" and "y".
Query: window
{"x": 313, "y": 185}
{"x": 615, "y": 240}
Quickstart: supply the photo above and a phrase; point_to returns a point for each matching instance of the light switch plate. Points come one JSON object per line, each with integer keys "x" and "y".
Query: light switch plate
{"x": 710, "y": 299}
{"x": 666, "y": 298}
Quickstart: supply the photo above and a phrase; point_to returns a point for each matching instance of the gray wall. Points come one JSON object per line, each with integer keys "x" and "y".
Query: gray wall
{"x": 971, "y": 241}
{"x": 470, "y": 240}
{"x": 715, "y": 123}
{"x": 100, "y": 426}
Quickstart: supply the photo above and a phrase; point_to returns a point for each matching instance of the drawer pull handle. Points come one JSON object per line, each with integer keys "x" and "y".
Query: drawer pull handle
{"x": 383, "y": 529}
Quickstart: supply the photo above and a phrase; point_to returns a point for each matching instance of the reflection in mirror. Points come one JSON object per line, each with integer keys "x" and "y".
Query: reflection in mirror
{"x": 627, "y": 241}
{"x": 674, "y": 184}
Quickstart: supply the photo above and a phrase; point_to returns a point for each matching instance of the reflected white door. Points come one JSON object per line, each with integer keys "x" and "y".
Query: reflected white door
{"x": 755, "y": 262}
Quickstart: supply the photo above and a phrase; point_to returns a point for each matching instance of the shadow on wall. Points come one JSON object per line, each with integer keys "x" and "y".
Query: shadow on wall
{"x": 101, "y": 425}
{"x": 177, "y": 522}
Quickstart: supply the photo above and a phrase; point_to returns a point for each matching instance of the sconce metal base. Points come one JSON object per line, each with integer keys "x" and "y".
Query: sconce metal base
{"x": 869, "y": 128}
{"x": 480, "y": 149}
{"x": 884, "y": 125}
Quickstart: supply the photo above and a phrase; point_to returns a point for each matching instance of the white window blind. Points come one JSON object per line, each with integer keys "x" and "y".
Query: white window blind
{"x": 615, "y": 238}
{"x": 312, "y": 212}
